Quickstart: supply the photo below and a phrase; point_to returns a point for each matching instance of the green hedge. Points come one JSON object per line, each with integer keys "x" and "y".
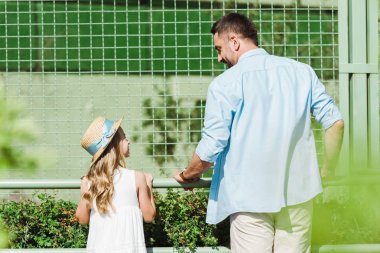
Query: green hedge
{"x": 47, "y": 222}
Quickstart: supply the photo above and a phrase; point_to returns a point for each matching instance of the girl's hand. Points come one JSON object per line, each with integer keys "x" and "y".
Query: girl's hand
{"x": 145, "y": 196}
{"x": 84, "y": 185}
{"x": 149, "y": 179}
{"x": 83, "y": 212}
{"x": 180, "y": 179}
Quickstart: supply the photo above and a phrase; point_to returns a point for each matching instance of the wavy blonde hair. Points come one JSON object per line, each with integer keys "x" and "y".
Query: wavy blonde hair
{"x": 100, "y": 175}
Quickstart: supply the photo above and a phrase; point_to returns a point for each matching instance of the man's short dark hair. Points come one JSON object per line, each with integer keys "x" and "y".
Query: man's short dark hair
{"x": 237, "y": 23}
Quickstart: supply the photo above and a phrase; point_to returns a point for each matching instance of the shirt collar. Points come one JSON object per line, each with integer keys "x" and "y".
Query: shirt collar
{"x": 253, "y": 52}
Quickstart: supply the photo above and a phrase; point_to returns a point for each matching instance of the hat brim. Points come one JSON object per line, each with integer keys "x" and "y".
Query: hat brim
{"x": 96, "y": 156}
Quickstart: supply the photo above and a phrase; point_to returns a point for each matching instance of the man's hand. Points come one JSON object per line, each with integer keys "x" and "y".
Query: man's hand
{"x": 178, "y": 176}
{"x": 325, "y": 172}
{"x": 193, "y": 171}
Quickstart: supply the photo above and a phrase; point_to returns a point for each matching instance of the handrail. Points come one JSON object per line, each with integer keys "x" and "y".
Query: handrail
{"x": 344, "y": 248}
{"x": 149, "y": 250}
{"x": 160, "y": 183}
{"x": 75, "y": 183}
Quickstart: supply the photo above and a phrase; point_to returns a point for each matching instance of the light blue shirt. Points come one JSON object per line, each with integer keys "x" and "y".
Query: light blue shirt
{"x": 257, "y": 131}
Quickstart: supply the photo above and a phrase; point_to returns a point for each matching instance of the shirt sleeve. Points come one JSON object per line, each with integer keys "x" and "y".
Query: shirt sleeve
{"x": 219, "y": 113}
{"x": 322, "y": 105}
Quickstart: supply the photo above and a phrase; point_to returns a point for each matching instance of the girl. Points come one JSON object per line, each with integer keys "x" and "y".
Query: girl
{"x": 114, "y": 199}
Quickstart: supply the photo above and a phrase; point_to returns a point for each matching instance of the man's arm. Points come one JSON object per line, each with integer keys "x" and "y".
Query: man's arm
{"x": 223, "y": 98}
{"x": 193, "y": 171}
{"x": 333, "y": 143}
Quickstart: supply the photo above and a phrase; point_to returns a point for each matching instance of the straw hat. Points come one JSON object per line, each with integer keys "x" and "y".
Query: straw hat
{"x": 98, "y": 135}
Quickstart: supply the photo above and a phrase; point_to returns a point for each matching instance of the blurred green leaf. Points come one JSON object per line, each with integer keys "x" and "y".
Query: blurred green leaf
{"x": 16, "y": 131}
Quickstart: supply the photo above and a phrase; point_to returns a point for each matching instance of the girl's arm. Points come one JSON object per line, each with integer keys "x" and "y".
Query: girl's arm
{"x": 145, "y": 196}
{"x": 83, "y": 213}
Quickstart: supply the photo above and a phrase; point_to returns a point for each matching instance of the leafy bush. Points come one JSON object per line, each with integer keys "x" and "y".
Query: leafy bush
{"x": 48, "y": 222}
{"x": 182, "y": 216}
{"x": 45, "y": 223}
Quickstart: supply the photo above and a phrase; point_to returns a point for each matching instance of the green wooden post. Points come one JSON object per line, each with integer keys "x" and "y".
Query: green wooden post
{"x": 358, "y": 76}
{"x": 344, "y": 84}
{"x": 373, "y": 84}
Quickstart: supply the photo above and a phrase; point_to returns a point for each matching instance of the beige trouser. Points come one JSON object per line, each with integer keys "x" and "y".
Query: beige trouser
{"x": 288, "y": 231}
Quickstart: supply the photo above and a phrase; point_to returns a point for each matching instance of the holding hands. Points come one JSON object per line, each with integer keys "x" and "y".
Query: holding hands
{"x": 193, "y": 171}
{"x": 180, "y": 178}
{"x": 149, "y": 179}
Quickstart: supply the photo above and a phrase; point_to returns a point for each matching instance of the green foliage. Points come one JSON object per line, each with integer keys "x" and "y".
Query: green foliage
{"x": 48, "y": 222}
{"x": 352, "y": 219}
{"x": 163, "y": 118}
{"x": 183, "y": 218}
{"x": 167, "y": 120}
{"x": 16, "y": 129}
{"x": 3, "y": 236}
{"x": 45, "y": 223}
{"x": 155, "y": 235}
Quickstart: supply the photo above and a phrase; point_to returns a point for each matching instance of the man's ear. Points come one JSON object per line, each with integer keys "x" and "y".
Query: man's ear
{"x": 234, "y": 41}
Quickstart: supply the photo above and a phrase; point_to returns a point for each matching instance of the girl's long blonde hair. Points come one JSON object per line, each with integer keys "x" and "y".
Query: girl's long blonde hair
{"x": 100, "y": 175}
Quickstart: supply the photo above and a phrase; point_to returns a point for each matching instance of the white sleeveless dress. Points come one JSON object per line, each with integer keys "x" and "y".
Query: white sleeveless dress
{"x": 120, "y": 231}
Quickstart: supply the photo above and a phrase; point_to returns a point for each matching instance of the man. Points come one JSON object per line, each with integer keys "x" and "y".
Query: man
{"x": 257, "y": 132}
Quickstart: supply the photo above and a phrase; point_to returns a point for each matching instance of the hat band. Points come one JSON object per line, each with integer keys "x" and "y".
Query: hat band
{"x": 102, "y": 142}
